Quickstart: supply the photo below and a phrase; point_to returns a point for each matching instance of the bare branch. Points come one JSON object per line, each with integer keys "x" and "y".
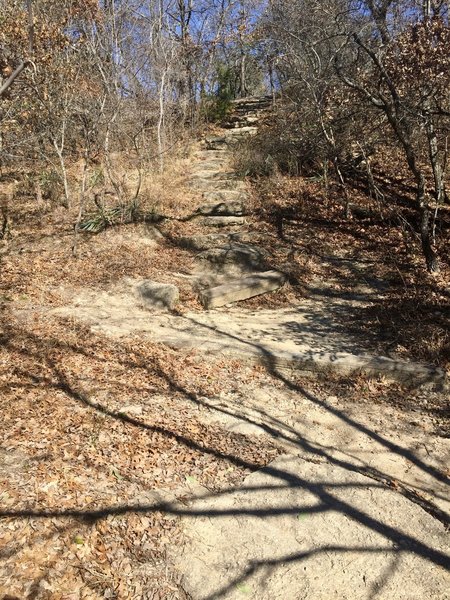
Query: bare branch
{"x": 11, "y": 79}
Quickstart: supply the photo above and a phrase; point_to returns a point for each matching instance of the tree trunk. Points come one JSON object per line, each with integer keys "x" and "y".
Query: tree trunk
{"x": 160, "y": 127}
{"x": 62, "y": 164}
{"x": 438, "y": 171}
{"x": 426, "y": 235}
{"x": 242, "y": 77}
{"x": 81, "y": 205}
{"x": 427, "y": 244}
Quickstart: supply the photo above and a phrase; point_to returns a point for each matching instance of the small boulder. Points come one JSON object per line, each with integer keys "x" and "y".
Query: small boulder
{"x": 158, "y": 295}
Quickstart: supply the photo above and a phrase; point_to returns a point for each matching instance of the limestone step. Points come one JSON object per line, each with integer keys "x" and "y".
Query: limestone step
{"x": 215, "y": 143}
{"x": 215, "y": 164}
{"x": 223, "y": 221}
{"x": 238, "y": 122}
{"x": 254, "y": 108}
{"x": 242, "y": 112}
{"x": 245, "y": 257}
{"x": 215, "y": 240}
{"x": 226, "y": 208}
{"x": 252, "y": 102}
{"x": 241, "y": 289}
{"x": 213, "y": 174}
{"x": 231, "y": 138}
{"x": 239, "y": 136}
{"x": 225, "y": 196}
{"x": 243, "y": 115}
{"x": 242, "y": 132}
{"x": 214, "y": 185}
{"x": 221, "y": 142}
{"x": 212, "y": 154}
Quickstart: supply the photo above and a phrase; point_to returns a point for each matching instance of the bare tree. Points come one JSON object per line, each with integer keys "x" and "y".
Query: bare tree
{"x": 392, "y": 62}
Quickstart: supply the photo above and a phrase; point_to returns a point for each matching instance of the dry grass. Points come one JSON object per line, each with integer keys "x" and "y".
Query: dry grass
{"x": 37, "y": 256}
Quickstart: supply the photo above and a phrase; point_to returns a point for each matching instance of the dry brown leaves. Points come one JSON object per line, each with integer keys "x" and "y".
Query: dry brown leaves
{"x": 89, "y": 429}
{"x": 303, "y": 229}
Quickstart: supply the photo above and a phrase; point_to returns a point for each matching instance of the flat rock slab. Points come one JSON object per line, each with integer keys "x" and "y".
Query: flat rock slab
{"x": 225, "y": 196}
{"x": 311, "y": 361}
{"x": 241, "y": 289}
{"x": 223, "y": 221}
{"x": 245, "y": 256}
{"x": 303, "y": 339}
{"x": 346, "y": 363}
{"x": 225, "y": 208}
{"x": 314, "y": 531}
{"x": 307, "y": 338}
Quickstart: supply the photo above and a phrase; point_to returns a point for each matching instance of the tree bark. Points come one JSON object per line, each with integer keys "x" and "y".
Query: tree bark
{"x": 427, "y": 242}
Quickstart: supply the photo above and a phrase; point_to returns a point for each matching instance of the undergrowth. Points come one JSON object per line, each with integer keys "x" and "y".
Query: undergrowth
{"x": 306, "y": 223}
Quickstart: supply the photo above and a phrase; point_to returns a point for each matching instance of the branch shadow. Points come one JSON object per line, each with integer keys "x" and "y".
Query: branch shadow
{"x": 398, "y": 542}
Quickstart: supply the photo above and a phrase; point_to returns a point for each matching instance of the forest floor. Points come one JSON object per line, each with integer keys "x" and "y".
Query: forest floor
{"x": 133, "y": 469}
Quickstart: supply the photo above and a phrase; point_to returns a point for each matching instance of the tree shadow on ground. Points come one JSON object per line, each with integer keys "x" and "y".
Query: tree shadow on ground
{"x": 326, "y": 500}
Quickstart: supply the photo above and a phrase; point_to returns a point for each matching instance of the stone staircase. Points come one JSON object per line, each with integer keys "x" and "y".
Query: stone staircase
{"x": 232, "y": 267}
{"x": 247, "y": 112}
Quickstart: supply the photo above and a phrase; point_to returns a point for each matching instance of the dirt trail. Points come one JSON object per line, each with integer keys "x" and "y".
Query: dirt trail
{"x": 307, "y": 336}
{"x": 357, "y": 505}
{"x": 317, "y": 531}
{"x": 345, "y": 512}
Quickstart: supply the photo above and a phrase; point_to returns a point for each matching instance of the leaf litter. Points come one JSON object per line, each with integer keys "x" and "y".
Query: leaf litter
{"x": 91, "y": 429}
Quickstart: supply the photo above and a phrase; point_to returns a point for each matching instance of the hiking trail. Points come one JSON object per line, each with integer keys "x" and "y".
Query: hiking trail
{"x": 356, "y": 506}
